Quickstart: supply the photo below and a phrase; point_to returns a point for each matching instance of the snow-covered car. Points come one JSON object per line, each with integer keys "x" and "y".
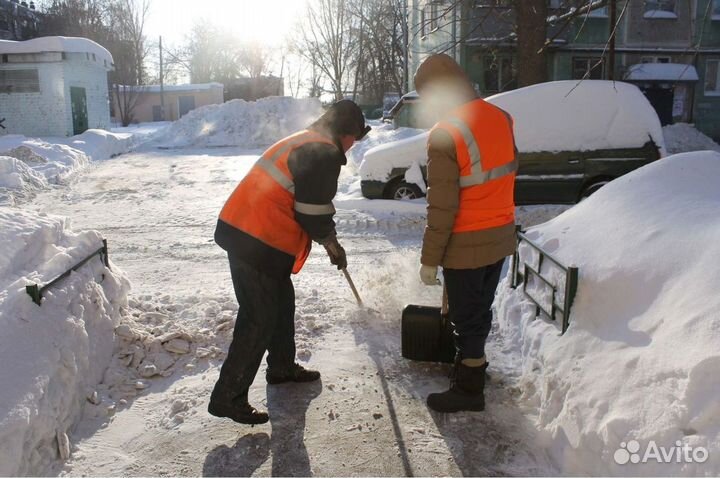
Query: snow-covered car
{"x": 572, "y": 139}
{"x": 407, "y": 113}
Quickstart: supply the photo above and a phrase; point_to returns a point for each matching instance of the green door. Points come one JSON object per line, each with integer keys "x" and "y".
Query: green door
{"x": 78, "y": 102}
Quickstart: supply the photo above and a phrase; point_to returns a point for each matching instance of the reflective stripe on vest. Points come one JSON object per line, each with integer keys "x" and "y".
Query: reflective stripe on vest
{"x": 478, "y": 175}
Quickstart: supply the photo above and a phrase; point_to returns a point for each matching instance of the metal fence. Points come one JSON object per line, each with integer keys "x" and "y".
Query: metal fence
{"x": 35, "y": 291}
{"x": 522, "y": 272}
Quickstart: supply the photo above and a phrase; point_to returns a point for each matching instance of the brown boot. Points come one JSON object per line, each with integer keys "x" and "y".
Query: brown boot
{"x": 465, "y": 393}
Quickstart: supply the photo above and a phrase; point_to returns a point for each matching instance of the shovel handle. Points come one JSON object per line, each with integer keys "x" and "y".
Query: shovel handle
{"x": 444, "y": 308}
{"x": 352, "y": 286}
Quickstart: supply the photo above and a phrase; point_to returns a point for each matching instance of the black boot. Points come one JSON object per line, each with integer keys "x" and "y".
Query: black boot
{"x": 296, "y": 373}
{"x": 465, "y": 393}
{"x": 237, "y": 409}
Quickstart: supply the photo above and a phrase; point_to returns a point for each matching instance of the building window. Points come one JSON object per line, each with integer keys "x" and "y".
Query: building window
{"x": 423, "y": 26}
{"x": 602, "y": 12}
{"x": 498, "y": 75}
{"x": 19, "y": 81}
{"x": 660, "y": 9}
{"x": 655, "y": 59}
{"x": 716, "y": 10}
{"x": 712, "y": 77}
{"x": 430, "y": 17}
{"x": 587, "y": 68}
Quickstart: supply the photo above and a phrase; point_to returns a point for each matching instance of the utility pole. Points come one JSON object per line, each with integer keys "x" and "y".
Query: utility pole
{"x": 358, "y": 71}
{"x": 406, "y": 41}
{"x": 611, "y": 47}
{"x": 162, "y": 88}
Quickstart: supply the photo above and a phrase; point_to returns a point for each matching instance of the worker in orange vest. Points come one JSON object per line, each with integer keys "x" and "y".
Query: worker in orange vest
{"x": 471, "y": 216}
{"x": 267, "y": 226}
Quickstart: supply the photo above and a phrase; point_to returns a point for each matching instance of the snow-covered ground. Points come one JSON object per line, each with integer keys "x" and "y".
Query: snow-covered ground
{"x": 157, "y": 208}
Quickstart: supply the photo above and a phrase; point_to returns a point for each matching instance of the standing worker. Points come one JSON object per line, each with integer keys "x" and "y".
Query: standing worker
{"x": 471, "y": 217}
{"x": 266, "y": 227}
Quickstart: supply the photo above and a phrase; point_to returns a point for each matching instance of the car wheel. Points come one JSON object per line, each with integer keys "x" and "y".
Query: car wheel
{"x": 405, "y": 191}
{"x": 592, "y": 188}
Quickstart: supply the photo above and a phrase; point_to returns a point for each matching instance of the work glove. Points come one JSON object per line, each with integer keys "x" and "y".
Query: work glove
{"x": 336, "y": 253}
{"x": 428, "y": 274}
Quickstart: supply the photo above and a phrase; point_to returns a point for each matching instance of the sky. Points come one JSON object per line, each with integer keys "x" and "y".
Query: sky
{"x": 266, "y": 21}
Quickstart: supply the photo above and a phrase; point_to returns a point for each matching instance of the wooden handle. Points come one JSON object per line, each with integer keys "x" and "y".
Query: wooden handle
{"x": 444, "y": 308}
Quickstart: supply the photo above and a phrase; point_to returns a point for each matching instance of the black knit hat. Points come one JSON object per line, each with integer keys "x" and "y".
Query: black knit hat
{"x": 344, "y": 118}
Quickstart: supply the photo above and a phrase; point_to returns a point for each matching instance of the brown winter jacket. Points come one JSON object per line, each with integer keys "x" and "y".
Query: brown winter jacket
{"x": 442, "y": 247}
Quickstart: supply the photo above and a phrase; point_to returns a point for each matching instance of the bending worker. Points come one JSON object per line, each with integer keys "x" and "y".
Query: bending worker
{"x": 471, "y": 216}
{"x": 266, "y": 227}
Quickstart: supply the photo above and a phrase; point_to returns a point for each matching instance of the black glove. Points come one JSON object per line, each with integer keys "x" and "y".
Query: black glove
{"x": 336, "y": 253}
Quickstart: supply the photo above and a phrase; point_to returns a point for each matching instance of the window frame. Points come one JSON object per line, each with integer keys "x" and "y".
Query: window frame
{"x": 716, "y": 91}
{"x": 659, "y": 8}
{"x": 27, "y": 85}
{"x": 715, "y": 10}
{"x": 589, "y": 62}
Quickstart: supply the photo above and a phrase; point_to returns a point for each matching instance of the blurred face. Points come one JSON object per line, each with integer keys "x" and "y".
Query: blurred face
{"x": 347, "y": 142}
{"x": 441, "y": 97}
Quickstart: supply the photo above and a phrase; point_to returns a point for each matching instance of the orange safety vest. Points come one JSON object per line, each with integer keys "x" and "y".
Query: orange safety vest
{"x": 263, "y": 204}
{"x": 487, "y": 158}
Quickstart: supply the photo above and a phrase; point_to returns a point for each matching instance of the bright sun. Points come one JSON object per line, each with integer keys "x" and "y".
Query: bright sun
{"x": 265, "y": 21}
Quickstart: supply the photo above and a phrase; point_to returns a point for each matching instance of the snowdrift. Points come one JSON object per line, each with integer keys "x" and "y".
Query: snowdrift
{"x": 683, "y": 137}
{"x": 240, "y": 123}
{"x": 53, "y": 355}
{"x": 28, "y": 165}
{"x": 640, "y": 360}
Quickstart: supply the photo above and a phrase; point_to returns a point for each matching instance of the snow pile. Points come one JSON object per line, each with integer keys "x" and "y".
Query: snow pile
{"x": 99, "y": 144}
{"x": 639, "y": 367}
{"x": 53, "y": 355}
{"x": 40, "y": 162}
{"x": 18, "y": 180}
{"x": 683, "y": 137}
{"x": 240, "y": 123}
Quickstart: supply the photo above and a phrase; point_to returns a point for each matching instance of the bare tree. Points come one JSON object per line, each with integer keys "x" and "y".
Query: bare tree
{"x": 126, "y": 98}
{"x": 254, "y": 59}
{"x": 379, "y": 66}
{"x": 325, "y": 41}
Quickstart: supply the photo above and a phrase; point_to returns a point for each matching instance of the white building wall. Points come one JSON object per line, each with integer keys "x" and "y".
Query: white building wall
{"x": 91, "y": 76}
{"x": 36, "y": 114}
{"x": 49, "y": 113}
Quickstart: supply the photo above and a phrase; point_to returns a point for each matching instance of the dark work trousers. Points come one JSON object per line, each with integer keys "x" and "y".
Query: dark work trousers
{"x": 470, "y": 297}
{"x": 265, "y": 321}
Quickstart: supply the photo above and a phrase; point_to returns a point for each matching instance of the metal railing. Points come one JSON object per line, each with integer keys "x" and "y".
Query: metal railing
{"x": 528, "y": 270}
{"x": 35, "y": 291}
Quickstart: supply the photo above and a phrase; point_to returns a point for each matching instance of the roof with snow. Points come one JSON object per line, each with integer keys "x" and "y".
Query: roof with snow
{"x": 171, "y": 88}
{"x": 661, "y": 72}
{"x": 56, "y": 45}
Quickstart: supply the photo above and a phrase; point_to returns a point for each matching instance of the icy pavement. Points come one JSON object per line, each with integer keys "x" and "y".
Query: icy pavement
{"x": 367, "y": 417}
